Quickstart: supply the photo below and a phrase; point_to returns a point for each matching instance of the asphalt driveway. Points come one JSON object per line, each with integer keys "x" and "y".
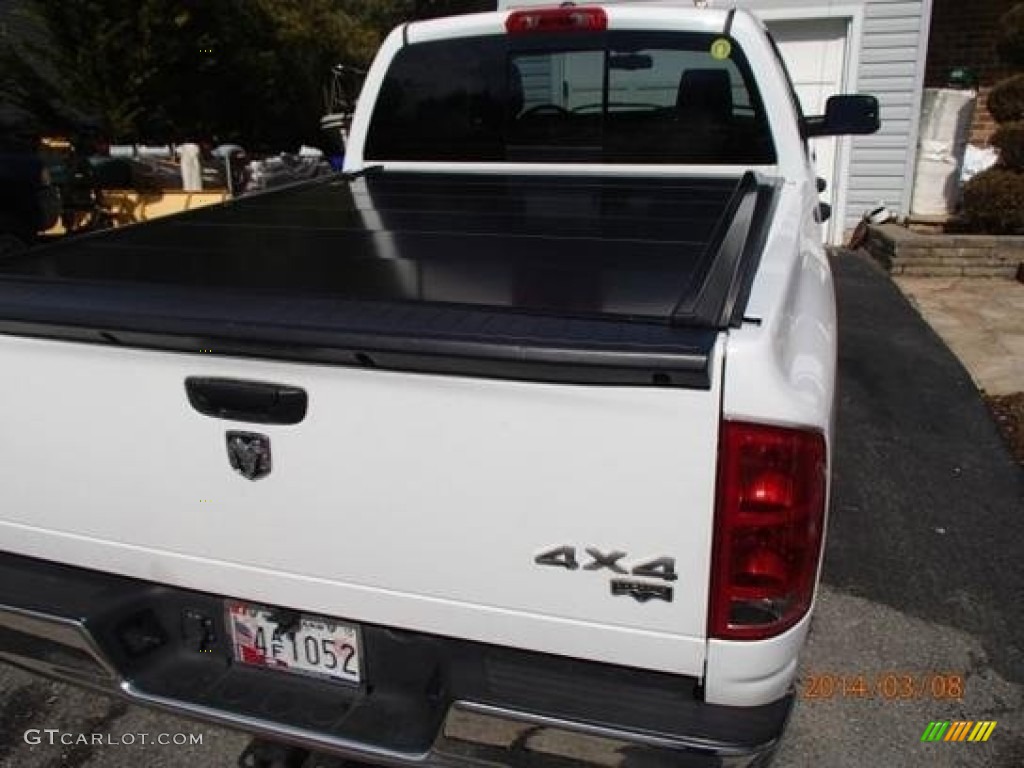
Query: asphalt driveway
{"x": 923, "y": 572}
{"x": 922, "y": 588}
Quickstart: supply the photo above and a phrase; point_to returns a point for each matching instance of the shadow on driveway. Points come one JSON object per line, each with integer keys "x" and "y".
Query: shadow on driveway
{"x": 928, "y": 505}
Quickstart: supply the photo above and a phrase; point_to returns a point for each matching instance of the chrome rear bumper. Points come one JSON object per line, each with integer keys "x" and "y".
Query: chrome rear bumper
{"x": 468, "y": 731}
{"x": 57, "y": 647}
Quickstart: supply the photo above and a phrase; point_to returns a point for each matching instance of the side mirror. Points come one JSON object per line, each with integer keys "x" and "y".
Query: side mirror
{"x": 855, "y": 114}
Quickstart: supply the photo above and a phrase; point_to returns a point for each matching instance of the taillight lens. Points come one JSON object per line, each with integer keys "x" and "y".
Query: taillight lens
{"x": 556, "y": 20}
{"x": 768, "y": 529}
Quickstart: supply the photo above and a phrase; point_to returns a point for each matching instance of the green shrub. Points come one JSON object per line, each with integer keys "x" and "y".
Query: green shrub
{"x": 992, "y": 202}
{"x": 1006, "y": 100}
{"x": 994, "y": 199}
{"x": 1009, "y": 140}
{"x": 1010, "y": 44}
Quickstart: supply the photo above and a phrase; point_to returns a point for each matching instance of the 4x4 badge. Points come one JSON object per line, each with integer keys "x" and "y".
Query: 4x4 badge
{"x": 663, "y": 568}
{"x": 249, "y": 454}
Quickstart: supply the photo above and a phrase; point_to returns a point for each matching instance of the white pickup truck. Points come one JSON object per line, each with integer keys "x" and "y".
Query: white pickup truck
{"x": 509, "y": 444}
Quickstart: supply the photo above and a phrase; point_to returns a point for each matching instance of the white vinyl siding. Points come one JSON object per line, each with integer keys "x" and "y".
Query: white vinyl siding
{"x": 537, "y": 82}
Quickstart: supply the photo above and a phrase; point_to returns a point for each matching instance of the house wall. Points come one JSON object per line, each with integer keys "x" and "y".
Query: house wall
{"x": 963, "y": 34}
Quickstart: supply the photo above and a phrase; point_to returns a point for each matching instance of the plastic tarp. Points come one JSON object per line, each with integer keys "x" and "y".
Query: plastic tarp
{"x": 946, "y": 116}
{"x": 976, "y": 160}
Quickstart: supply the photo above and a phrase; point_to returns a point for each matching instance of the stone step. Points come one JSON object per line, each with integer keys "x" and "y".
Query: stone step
{"x": 907, "y": 253}
{"x": 951, "y": 258}
{"x": 938, "y": 259}
{"x": 947, "y": 270}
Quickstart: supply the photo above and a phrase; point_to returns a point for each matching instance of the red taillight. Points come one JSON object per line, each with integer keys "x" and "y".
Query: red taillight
{"x": 556, "y": 20}
{"x": 768, "y": 529}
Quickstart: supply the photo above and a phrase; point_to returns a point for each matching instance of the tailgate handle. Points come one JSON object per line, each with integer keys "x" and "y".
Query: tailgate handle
{"x": 254, "y": 401}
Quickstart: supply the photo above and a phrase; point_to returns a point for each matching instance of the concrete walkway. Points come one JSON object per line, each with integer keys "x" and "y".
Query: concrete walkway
{"x": 982, "y": 322}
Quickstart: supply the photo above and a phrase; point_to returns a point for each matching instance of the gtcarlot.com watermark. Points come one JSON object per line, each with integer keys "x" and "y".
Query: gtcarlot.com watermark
{"x": 57, "y": 737}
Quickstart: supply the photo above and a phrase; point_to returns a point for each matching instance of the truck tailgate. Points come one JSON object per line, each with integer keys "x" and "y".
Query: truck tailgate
{"x": 402, "y": 499}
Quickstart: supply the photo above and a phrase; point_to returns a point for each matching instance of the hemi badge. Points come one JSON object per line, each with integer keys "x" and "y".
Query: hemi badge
{"x": 641, "y": 591}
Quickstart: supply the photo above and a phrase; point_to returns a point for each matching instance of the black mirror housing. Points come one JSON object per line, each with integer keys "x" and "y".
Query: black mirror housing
{"x": 849, "y": 115}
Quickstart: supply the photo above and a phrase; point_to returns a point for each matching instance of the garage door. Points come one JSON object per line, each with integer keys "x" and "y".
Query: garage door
{"x": 815, "y": 54}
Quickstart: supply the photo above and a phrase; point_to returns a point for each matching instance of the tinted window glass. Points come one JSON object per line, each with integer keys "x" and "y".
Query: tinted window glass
{"x": 620, "y": 97}
{"x": 443, "y": 101}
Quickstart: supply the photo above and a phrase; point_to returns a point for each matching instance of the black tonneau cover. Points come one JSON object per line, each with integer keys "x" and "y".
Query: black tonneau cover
{"x": 622, "y": 280}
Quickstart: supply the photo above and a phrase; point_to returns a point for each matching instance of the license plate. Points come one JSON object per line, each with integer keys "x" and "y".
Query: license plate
{"x": 318, "y": 646}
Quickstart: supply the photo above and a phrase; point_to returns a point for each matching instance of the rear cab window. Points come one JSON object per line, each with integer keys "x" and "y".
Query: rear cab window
{"x": 613, "y": 97}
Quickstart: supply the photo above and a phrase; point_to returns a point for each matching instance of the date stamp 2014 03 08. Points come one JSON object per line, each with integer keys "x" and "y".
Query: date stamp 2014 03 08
{"x": 897, "y": 685}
